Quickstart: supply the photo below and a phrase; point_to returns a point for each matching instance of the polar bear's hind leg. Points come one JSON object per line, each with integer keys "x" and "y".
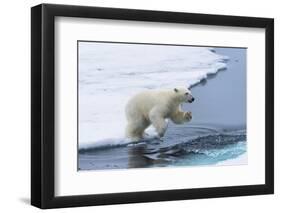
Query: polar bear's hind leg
{"x": 135, "y": 129}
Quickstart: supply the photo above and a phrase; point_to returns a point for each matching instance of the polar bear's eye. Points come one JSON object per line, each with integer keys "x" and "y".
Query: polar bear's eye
{"x": 186, "y": 93}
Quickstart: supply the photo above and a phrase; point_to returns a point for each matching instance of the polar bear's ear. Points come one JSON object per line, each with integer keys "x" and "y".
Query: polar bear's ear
{"x": 176, "y": 90}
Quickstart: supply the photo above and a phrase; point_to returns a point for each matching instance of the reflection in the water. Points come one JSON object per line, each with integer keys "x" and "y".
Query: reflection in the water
{"x": 214, "y": 145}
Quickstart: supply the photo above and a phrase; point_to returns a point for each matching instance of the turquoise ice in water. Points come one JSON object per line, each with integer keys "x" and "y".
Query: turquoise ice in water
{"x": 217, "y": 132}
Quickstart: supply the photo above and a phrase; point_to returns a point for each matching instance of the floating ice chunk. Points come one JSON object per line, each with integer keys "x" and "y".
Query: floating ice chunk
{"x": 110, "y": 73}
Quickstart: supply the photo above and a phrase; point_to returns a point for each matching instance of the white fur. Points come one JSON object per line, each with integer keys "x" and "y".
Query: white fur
{"x": 153, "y": 107}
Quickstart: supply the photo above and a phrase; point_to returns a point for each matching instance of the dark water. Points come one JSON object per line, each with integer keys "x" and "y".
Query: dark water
{"x": 216, "y": 133}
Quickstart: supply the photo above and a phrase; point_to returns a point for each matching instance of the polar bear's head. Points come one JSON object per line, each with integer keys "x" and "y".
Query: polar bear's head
{"x": 183, "y": 95}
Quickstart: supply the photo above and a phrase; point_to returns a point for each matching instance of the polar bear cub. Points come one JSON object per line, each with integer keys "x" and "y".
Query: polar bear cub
{"x": 153, "y": 107}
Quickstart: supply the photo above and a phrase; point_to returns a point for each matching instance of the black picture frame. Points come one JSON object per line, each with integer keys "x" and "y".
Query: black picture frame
{"x": 43, "y": 102}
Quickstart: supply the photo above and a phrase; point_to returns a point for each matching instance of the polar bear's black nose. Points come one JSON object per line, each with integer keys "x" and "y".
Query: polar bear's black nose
{"x": 192, "y": 99}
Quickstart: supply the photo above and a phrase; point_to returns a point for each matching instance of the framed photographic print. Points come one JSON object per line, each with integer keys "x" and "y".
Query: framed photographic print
{"x": 139, "y": 106}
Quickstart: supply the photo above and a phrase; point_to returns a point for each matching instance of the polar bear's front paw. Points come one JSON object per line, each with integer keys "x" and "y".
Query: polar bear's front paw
{"x": 188, "y": 116}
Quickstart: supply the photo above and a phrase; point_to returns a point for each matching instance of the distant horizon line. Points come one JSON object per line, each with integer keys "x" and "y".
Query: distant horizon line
{"x": 167, "y": 44}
